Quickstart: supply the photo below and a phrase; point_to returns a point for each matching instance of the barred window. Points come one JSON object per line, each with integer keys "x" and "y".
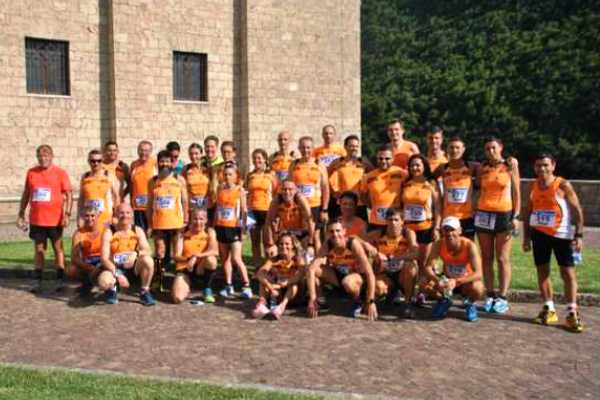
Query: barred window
{"x": 190, "y": 76}
{"x": 47, "y": 66}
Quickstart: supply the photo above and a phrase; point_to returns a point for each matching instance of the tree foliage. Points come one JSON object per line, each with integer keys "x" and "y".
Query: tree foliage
{"x": 530, "y": 70}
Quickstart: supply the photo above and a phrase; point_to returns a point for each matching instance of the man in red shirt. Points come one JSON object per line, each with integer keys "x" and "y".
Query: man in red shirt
{"x": 48, "y": 194}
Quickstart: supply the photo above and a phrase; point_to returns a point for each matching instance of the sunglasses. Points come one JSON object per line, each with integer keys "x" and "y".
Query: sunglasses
{"x": 94, "y": 161}
{"x": 384, "y": 158}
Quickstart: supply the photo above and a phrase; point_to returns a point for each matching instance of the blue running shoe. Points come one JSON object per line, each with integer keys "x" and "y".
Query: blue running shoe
{"x": 356, "y": 310}
{"x": 111, "y": 296}
{"x": 471, "y": 312}
{"x": 488, "y": 306}
{"x": 440, "y": 309}
{"x": 146, "y": 298}
{"x": 246, "y": 292}
{"x": 500, "y": 306}
{"x": 208, "y": 296}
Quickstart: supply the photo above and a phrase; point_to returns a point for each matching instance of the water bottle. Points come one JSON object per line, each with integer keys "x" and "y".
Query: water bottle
{"x": 444, "y": 282}
{"x": 577, "y": 256}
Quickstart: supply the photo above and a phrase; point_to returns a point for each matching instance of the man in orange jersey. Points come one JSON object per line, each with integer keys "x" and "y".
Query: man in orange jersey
{"x": 141, "y": 172}
{"x": 116, "y": 167}
{"x": 280, "y": 160}
{"x": 48, "y": 193}
{"x": 331, "y": 150}
{"x": 342, "y": 262}
{"x": 167, "y": 210}
{"x": 289, "y": 212}
{"x": 462, "y": 271}
{"x": 345, "y": 175}
{"x": 380, "y": 189}
{"x": 85, "y": 250}
{"x": 354, "y": 225}
{"x": 310, "y": 177}
{"x": 99, "y": 189}
{"x": 125, "y": 255}
{"x": 402, "y": 149}
{"x": 435, "y": 153}
{"x": 552, "y": 210}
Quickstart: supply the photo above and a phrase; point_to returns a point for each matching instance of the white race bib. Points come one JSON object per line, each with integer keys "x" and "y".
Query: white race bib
{"x": 485, "y": 220}
{"x": 141, "y": 200}
{"x": 328, "y": 159}
{"x": 307, "y": 190}
{"x": 121, "y": 258}
{"x": 198, "y": 201}
{"x": 414, "y": 213}
{"x": 543, "y": 218}
{"x": 98, "y": 204}
{"x": 41, "y": 195}
{"x": 225, "y": 213}
{"x": 381, "y": 212}
{"x": 456, "y": 269}
{"x": 457, "y": 195}
{"x": 165, "y": 202}
{"x": 394, "y": 264}
{"x": 282, "y": 175}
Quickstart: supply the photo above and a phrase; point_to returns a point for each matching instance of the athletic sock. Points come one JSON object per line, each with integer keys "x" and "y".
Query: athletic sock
{"x": 550, "y": 305}
{"x": 207, "y": 278}
{"x": 572, "y": 307}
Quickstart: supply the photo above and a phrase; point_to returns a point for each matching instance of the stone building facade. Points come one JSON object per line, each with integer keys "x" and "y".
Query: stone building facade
{"x": 271, "y": 65}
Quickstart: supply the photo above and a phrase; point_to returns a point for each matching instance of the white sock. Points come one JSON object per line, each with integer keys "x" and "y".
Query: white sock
{"x": 550, "y": 305}
{"x": 572, "y": 307}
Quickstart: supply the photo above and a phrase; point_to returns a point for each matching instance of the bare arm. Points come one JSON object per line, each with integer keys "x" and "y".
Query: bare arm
{"x": 429, "y": 267}
{"x": 574, "y": 204}
{"x": 184, "y": 199}
{"x": 150, "y": 202}
{"x": 212, "y": 249}
{"x": 437, "y": 207}
{"x": 68, "y": 205}
{"x": 515, "y": 177}
{"x": 413, "y": 246}
{"x": 367, "y": 269}
{"x": 475, "y": 259}
{"x": 143, "y": 245}
{"x": 243, "y": 208}
{"x": 324, "y": 187}
{"x": 268, "y": 239}
{"x": 307, "y": 215}
{"x": 105, "y": 259}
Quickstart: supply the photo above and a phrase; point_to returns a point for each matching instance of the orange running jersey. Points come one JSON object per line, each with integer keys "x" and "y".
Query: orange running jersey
{"x": 417, "y": 204}
{"x": 496, "y": 188}
{"x": 382, "y": 187}
{"x": 393, "y": 248}
{"x": 96, "y": 191}
{"x": 434, "y": 163}
{"x": 280, "y": 164}
{"x": 192, "y": 244}
{"x": 261, "y": 186}
{"x": 343, "y": 260}
{"x": 458, "y": 188}
{"x": 550, "y": 212}
{"x": 356, "y": 227}
{"x": 91, "y": 245}
{"x": 327, "y": 155}
{"x": 457, "y": 265}
{"x": 403, "y": 153}
{"x": 346, "y": 176}
{"x": 168, "y": 210}
{"x": 122, "y": 245}
{"x": 197, "y": 180}
{"x": 116, "y": 169}
{"x": 141, "y": 173}
{"x": 307, "y": 177}
{"x": 228, "y": 207}
{"x": 284, "y": 269}
{"x": 290, "y": 216}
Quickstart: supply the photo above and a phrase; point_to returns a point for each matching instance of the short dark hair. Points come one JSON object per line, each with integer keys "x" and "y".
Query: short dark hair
{"x": 110, "y": 143}
{"x": 211, "y": 138}
{"x": 349, "y": 195}
{"x": 456, "y": 139}
{"x": 395, "y": 121}
{"x": 541, "y": 156}
{"x": 385, "y": 147}
{"x": 393, "y": 211}
{"x": 228, "y": 143}
{"x": 435, "y": 129}
{"x": 163, "y": 154}
{"x": 94, "y": 152}
{"x": 349, "y": 138}
{"x": 173, "y": 146}
{"x": 195, "y": 146}
{"x": 493, "y": 139}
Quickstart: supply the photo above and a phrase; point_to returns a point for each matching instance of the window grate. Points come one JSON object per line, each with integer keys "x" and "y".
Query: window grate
{"x": 190, "y": 76}
{"x": 47, "y": 66}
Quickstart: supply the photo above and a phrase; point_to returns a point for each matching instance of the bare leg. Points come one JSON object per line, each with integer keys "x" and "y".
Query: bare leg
{"x": 503, "y": 251}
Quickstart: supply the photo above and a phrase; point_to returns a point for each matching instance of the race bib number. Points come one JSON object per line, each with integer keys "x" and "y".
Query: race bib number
{"x": 328, "y": 159}
{"x": 543, "y": 218}
{"x": 95, "y": 261}
{"x": 141, "y": 200}
{"x": 485, "y": 220}
{"x": 225, "y": 213}
{"x": 307, "y": 190}
{"x": 457, "y": 195}
{"x": 41, "y": 195}
{"x": 414, "y": 213}
{"x": 282, "y": 175}
{"x": 98, "y": 204}
{"x": 394, "y": 265}
{"x": 198, "y": 201}
{"x": 343, "y": 269}
{"x": 457, "y": 269}
{"x": 121, "y": 258}
{"x": 381, "y": 212}
{"x": 165, "y": 202}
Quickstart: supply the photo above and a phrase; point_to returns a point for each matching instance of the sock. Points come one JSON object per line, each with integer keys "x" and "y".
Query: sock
{"x": 550, "y": 305}
{"x": 207, "y": 278}
{"x": 60, "y": 274}
{"x": 572, "y": 307}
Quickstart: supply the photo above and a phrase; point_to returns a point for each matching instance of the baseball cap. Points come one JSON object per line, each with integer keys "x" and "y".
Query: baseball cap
{"x": 451, "y": 222}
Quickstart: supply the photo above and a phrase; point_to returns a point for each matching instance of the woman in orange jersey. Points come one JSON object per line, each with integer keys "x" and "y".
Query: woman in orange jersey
{"x": 97, "y": 189}
{"x": 496, "y": 218}
{"x": 420, "y": 202}
{"x": 354, "y": 225}
{"x": 142, "y": 171}
{"x": 401, "y": 147}
{"x": 280, "y": 278}
{"x": 197, "y": 177}
{"x": 260, "y": 185}
{"x": 85, "y": 250}
{"x": 195, "y": 256}
{"x": 395, "y": 264}
{"x": 230, "y": 221}
{"x": 552, "y": 210}
{"x": 457, "y": 186}
{"x": 280, "y": 160}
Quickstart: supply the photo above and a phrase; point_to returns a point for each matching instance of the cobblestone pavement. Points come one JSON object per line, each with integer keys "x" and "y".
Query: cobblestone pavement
{"x": 498, "y": 357}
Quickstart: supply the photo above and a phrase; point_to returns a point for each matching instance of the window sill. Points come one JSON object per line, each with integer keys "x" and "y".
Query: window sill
{"x": 50, "y": 96}
{"x": 190, "y": 102}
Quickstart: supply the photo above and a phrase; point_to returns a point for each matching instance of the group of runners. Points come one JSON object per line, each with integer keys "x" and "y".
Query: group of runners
{"x": 401, "y": 230}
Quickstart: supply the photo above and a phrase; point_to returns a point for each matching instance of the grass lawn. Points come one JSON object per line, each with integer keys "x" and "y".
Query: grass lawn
{"x": 20, "y": 255}
{"x": 26, "y": 383}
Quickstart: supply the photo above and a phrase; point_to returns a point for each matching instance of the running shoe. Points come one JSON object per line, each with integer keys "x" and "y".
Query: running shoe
{"x": 146, "y": 298}
{"x": 260, "y": 311}
{"x": 85, "y": 289}
{"x": 277, "y": 312}
{"x": 356, "y": 309}
{"x": 546, "y": 317}
{"x": 488, "y": 306}
{"x": 209, "y": 298}
{"x": 111, "y": 296}
{"x": 398, "y": 297}
{"x": 471, "y": 312}
{"x": 246, "y": 292}
{"x": 573, "y": 322}
{"x": 407, "y": 310}
{"x": 440, "y": 309}
{"x": 500, "y": 306}
{"x": 420, "y": 299}
{"x": 227, "y": 292}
